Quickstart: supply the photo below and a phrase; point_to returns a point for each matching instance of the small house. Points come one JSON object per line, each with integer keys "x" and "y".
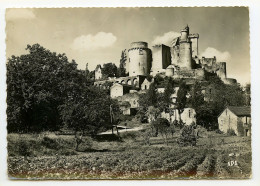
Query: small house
{"x": 236, "y": 118}
{"x": 119, "y": 90}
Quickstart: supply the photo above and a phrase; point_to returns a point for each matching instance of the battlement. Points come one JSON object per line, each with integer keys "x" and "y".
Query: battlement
{"x": 191, "y": 36}
{"x": 139, "y": 44}
{"x": 139, "y": 48}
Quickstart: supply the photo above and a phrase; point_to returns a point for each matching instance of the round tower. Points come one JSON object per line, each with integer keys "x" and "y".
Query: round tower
{"x": 140, "y": 57}
{"x": 185, "y": 33}
{"x": 185, "y": 50}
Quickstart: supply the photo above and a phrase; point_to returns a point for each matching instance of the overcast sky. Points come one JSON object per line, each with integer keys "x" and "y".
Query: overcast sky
{"x": 98, "y": 35}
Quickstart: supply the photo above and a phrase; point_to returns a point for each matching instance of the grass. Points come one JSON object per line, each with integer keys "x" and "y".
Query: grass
{"x": 50, "y": 156}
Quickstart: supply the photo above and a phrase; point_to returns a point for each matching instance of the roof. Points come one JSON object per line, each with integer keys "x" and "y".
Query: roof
{"x": 240, "y": 111}
{"x": 97, "y": 67}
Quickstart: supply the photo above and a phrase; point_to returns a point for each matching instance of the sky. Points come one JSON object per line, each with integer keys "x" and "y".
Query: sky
{"x": 98, "y": 35}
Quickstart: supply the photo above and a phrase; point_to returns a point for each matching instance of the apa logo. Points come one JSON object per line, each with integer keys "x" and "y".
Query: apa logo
{"x": 232, "y": 163}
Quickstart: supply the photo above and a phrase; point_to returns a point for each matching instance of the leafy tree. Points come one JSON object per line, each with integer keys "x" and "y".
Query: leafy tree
{"x": 162, "y": 126}
{"x": 187, "y": 136}
{"x": 122, "y": 65}
{"x": 146, "y": 100}
{"x": 181, "y": 98}
{"x": 109, "y": 70}
{"x": 37, "y": 83}
{"x": 197, "y": 98}
{"x": 152, "y": 113}
{"x": 90, "y": 113}
{"x": 164, "y": 99}
{"x": 248, "y": 94}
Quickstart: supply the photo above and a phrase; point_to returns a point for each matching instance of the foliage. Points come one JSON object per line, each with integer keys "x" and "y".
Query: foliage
{"x": 47, "y": 92}
{"x": 164, "y": 100}
{"x": 122, "y": 65}
{"x": 109, "y": 70}
{"x": 231, "y": 132}
{"x": 50, "y": 143}
{"x": 181, "y": 98}
{"x": 37, "y": 83}
{"x": 187, "y": 136}
{"x": 162, "y": 126}
{"x": 152, "y": 113}
{"x": 89, "y": 112}
{"x": 146, "y": 100}
{"x": 217, "y": 96}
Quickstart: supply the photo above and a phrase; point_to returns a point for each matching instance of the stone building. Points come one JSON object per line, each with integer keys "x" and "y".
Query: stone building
{"x": 161, "y": 59}
{"x": 236, "y": 118}
{"x": 188, "y": 116}
{"x": 119, "y": 90}
{"x": 98, "y": 72}
{"x": 146, "y": 84}
{"x": 140, "y": 59}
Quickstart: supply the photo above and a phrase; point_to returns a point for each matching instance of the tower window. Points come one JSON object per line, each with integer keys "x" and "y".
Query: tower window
{"x": 141, "y": 52}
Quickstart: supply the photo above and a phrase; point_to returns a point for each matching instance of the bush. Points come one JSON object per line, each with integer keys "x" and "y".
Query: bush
{"x": 129, "y": 135}
{"x": 187, "y": 136}
{"x": 50, "y": 143}
{"x": 218, "y": 131}
{"x": 24, "y": 148}
{"x": 231, "y": 132}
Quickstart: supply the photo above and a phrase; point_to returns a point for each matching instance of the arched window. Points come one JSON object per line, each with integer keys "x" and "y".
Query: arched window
{"x": 145, "y": 87}
{"x": 189, "y": 113}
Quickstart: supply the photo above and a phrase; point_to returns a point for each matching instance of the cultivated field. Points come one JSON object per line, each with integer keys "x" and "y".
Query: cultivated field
{"x": 50, "y": 156}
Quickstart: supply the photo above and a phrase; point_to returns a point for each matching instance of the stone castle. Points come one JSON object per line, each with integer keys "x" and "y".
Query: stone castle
{"x": 179, "y": 61}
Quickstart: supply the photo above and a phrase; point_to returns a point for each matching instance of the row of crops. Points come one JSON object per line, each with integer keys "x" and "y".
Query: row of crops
{"x": 160, "y": 163}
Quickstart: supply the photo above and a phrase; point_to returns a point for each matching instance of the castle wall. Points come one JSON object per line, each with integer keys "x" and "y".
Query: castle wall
{"x": 208, "y": 61}
{"x": 116, "y": 90}
{"x": 139, "y": 59}
{"x": 161, "y": 58}
{"x": 200, "y": 73}
{"x": 195, "y": 47}
{"x": 221, "y": 72}
{"x": 194, "y": 38}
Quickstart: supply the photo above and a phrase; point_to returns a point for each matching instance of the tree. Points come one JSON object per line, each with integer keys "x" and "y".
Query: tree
{"x": 152, "y": 113}
{"x": 197, "y": 98}
{"x": 109, "y": 70}
{"x": 187, "y": 136}
{"x": 90, "y": 113}
{"x": 162, "y": 126}
{"x": 37, "y": 83}
{"x": 122, "y": 65}
{"x": 181, "y": 98}
{"x": 146, "y": 100}
{"x": 164, "y": 99}
{"x": 248, "y": 94}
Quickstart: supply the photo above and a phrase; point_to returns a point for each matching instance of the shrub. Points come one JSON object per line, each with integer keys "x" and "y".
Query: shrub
{"x": 85, "y": 144}
{"x": 129, "y": 135}
{"x": 50, "y": 143}
{"x": 24, "y": 148}
{"x": 218, "y": 131}
{"x": 231, "y": 132}
{"x": 187, "y": 136}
